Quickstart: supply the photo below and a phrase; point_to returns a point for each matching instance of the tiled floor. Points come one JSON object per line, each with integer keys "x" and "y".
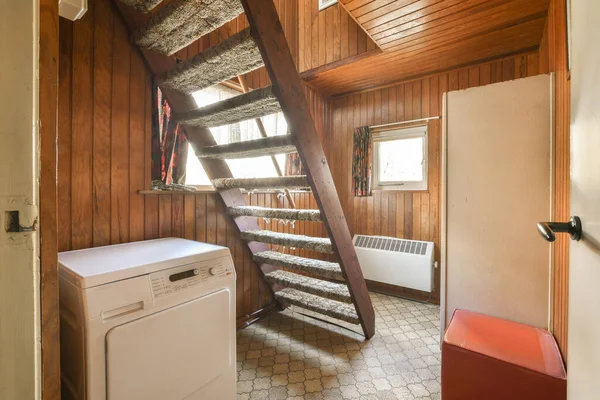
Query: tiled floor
{"x": 291, "y": 356}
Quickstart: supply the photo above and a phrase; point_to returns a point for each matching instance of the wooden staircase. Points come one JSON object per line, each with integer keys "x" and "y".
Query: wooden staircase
{"x": 304, "y": 282}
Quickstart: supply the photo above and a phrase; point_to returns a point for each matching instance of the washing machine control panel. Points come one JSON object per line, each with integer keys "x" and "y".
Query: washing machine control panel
{"x": 165, "y": 283}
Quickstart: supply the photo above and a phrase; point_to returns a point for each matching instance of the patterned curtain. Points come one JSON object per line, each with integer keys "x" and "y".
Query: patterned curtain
{"x": 169, "y": 145}
{"x": 293, "y": 165}
{"x": 362, "y": 161}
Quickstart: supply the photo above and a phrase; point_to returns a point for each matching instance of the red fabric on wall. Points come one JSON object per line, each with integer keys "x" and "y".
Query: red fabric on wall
{"x": 362, "y": 162}
{"x": 169, "y": 144}
{"x": 293, "y": 165}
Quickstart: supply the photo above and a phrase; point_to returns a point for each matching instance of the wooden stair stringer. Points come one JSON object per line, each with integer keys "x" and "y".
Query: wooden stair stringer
{"x": 268, "y": 34}
{"x": 201, "y": 137}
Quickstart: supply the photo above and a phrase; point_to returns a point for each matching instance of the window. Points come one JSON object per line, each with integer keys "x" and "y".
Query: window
{"x": 400, "y": 159}
{"x": 259, "y": 167}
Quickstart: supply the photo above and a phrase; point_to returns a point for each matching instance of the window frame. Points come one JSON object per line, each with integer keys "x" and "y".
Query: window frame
{"x": 379, "y": 137}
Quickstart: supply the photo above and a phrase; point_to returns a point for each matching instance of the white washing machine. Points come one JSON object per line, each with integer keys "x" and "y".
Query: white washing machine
{"x": 151, "y": 320}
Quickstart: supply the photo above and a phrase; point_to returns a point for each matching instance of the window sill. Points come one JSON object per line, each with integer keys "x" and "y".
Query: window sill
{"x": 167, "y": 192}
{"x": 395, "y": 190}
{"x": 212, "y": 190}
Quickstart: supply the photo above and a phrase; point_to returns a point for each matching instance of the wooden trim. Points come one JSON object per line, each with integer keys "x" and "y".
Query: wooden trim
{"x": 151, "y": 192}
{"x": 48, "y": 108}
{"x": 412, "y": 123}
{"x": 268, "y": 34}
{"x": 553, "y": 58}
{"x": 312, "y": 73}
{"x": 399, "y": 291}
{"x": 416, "y": 78}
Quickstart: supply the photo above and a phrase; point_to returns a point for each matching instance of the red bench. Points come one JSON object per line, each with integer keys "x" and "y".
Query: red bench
{"x": 487, "y": 358}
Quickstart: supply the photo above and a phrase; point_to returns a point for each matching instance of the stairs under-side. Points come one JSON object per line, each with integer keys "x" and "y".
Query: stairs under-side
{"x": 336, "y": 290}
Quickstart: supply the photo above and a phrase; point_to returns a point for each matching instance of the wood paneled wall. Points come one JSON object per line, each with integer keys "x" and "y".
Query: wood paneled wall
{"x": 105, "y": 122}
{"x": 328, "y": 36}
{"x": 553, "y": 58}
{"x": 410, "y": 215}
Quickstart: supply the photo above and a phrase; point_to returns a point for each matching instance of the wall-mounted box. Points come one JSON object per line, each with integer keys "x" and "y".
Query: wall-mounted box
{"x": 72, "y": 9}
{"x": 323, "y": 4}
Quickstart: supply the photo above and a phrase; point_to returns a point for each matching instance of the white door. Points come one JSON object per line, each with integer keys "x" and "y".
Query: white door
{"x": 584, "y": 281}
{"x": 497, "y": 185}
{"x": 20, "y": 354}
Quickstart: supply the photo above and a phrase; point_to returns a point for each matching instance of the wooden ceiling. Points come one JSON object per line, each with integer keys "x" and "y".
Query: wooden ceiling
{"x": 420, "y": 37}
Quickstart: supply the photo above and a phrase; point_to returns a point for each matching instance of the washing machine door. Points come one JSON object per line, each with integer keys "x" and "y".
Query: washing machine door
{"x": 173, "y": 354}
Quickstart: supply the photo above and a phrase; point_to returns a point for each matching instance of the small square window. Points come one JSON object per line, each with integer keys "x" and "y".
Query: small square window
{"x": 400, "y": 159}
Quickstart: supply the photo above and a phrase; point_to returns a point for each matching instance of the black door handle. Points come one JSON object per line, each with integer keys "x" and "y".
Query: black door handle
{"x": 573, "y": 228}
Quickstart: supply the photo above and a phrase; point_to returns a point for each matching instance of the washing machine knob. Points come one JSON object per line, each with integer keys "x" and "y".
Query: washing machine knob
{"x": 213, "y": 271}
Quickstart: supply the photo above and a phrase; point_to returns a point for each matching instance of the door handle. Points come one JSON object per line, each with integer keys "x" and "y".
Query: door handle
{"x": 573, "y": 228}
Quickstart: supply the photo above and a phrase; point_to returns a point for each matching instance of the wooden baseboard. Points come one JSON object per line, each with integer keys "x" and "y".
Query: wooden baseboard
{"x": 403, "y": 292}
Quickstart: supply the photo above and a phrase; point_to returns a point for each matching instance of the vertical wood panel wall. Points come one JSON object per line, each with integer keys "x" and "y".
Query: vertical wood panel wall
{"x": 105, "y": 122}
{"x": 328, "y": 36}
{"x": 410, "y": 215}
{"x": 553, "y": 58}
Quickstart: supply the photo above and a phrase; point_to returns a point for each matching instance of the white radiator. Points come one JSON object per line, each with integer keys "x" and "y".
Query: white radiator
{"x": 399, "y": 262}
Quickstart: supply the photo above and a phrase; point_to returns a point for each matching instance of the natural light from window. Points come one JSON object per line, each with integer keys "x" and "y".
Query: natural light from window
{"x": 259, "y": 167}
{"x": 401, "y": 160}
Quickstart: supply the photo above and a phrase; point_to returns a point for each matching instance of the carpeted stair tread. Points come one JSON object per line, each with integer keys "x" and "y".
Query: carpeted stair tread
{"x": 318, "y": 287}
{"x": 279, "y": 182}
{"x": 234, "y": 56}
{"x": 292, "y": 214}
{"x": 321, "y": 245}
{"x": 323, "y": 269}
{"x": 268, "y": 146}
{"x": 254, "y": 104}
{"x": 182, "y": 22}
{"x": 142, "y": 5}
{"x": 331, "y": 308}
